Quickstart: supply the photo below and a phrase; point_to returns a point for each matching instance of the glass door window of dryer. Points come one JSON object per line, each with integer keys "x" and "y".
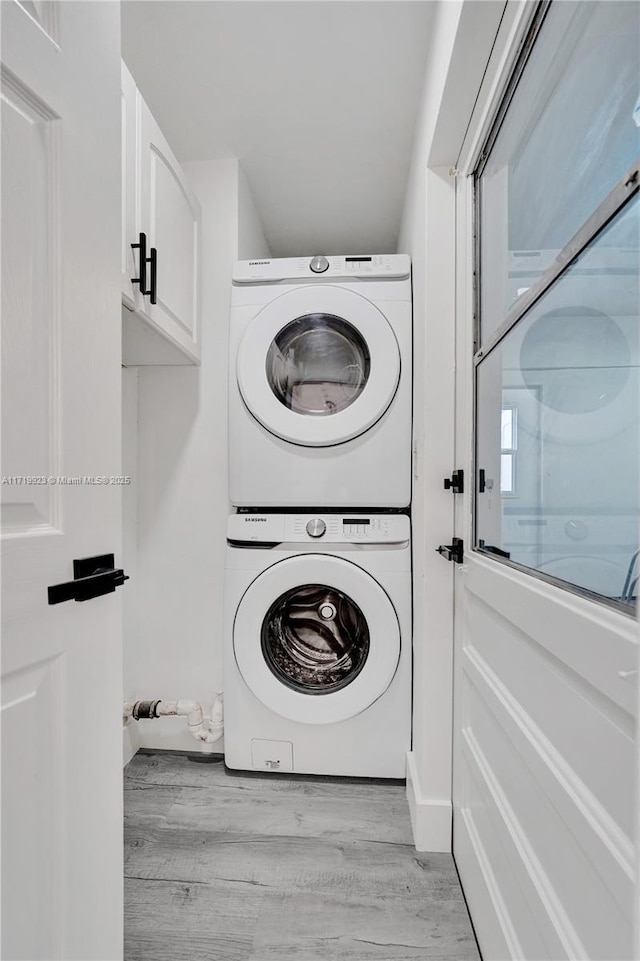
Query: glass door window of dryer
{"x": 315, "y": 639}
{"x": 318, "y": 365}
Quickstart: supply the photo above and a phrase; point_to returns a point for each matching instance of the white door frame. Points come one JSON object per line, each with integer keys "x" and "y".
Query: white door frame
{"x": 465, "y": 37}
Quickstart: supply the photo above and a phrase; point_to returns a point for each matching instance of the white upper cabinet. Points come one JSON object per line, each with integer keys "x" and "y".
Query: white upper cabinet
{"x": 161, "y": 324}
{"x": 171, "y": 215}
{"x": 129, "y": 260}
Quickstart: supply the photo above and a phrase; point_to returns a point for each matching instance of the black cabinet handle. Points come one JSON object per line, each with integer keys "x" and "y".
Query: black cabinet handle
{"x": 142, "y": 279}
{"x": 153, "y": 261}
{"x": 92, "y": 577}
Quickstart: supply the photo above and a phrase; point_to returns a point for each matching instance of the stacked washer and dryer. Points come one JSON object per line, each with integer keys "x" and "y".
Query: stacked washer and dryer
{"x": 317, "y": 656}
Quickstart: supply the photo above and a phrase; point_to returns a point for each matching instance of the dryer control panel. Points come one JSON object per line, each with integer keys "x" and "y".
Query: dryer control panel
{"x": 343, "y": 528}
{"x": 320, "y": 268}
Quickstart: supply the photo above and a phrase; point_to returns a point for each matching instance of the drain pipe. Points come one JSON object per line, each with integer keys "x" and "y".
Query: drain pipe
{"x": 207, "y": 730}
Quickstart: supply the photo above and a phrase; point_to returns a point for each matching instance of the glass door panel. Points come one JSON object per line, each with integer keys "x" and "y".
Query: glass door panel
{"x": 558, "y": 433}
{"x": 569, "y": 135}
{"x": 318, "y": 365}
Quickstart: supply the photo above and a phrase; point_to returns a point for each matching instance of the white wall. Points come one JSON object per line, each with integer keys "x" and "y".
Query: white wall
{"x": 427, "y": 231}
{"x": 183, "y": 504}
{"x": 251, "y": 240}
{"x": 461, "y": 41}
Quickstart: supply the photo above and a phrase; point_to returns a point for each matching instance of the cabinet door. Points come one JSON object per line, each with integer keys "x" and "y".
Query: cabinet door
{"x": 131, "y": 296}
{"x": 170, "y": 216}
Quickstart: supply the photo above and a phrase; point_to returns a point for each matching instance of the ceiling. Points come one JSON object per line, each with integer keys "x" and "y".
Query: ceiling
{"x": 317, "y": 98}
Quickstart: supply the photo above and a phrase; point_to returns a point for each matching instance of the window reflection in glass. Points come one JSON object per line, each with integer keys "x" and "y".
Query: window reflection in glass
{"x": 508, "y": 445}
{"x": 568, "y": 138}
{"x": 318, "y": 365}
{"x": 561, "y": 393}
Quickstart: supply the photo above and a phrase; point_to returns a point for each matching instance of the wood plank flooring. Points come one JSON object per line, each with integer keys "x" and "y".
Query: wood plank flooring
{"x": 225, "y": 867}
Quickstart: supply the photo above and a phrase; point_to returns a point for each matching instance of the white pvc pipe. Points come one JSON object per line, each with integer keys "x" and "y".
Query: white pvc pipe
{"x": 216, "y": 722}
{"x": 207, "y": 731}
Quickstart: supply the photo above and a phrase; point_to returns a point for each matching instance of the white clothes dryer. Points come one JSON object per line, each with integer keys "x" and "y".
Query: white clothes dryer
{"x": 317, "y": 659}
{"x": 320, "y": 383}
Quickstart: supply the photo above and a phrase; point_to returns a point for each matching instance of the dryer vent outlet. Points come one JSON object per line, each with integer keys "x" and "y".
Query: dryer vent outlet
{"x": 271, "y": 755}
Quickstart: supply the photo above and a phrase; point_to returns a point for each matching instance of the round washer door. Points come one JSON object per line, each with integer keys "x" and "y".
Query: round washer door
{"x": 316, "y": 639}
{"x": 318, "y": 366}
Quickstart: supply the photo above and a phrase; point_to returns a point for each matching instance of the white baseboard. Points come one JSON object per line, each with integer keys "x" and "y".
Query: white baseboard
{"x": 130, "y": 742}
{"x": 430, "y": 820}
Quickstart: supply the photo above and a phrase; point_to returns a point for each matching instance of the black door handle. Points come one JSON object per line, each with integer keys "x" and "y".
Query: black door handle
{"x": 455, "y": 483}
{"x": 92, "y": 577}
{"x": 453, "y": 551}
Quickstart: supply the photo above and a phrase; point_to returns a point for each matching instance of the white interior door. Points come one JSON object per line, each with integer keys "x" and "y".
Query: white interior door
{"x": 546, "y": 653}
{"x": 545, "y": 687}
{"x": 61, "y": 665}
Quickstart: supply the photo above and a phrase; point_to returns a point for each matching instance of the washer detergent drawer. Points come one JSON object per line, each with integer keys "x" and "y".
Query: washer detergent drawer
{"x": 271, "y": 755}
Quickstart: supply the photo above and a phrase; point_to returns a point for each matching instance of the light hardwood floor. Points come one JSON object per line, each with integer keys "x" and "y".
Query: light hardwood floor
{"x": 226, "y": 867}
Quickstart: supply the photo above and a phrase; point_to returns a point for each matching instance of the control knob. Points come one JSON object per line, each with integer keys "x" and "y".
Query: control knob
{"x": 319, "y": 264}
{"x": 316, "y": 527}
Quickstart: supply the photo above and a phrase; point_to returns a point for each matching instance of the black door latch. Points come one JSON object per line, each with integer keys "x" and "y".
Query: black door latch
{"x": 453, "y": 551}
{"x": 455, "y": 483}
{"x": 92, "y": 577}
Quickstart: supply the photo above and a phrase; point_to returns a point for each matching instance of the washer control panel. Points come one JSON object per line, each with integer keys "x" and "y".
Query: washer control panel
{"x": 343, "y": 528}
{"x": 363, "y": 267}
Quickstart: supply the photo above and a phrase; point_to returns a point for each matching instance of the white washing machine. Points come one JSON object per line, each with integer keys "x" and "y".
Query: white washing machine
{"x": 317, "y": 664}
{"x": 320, "y": 383}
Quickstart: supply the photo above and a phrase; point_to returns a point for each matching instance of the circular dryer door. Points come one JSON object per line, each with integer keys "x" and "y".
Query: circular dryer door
{"x": 316, "y": 639}
{"x": 318, "y": 366}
